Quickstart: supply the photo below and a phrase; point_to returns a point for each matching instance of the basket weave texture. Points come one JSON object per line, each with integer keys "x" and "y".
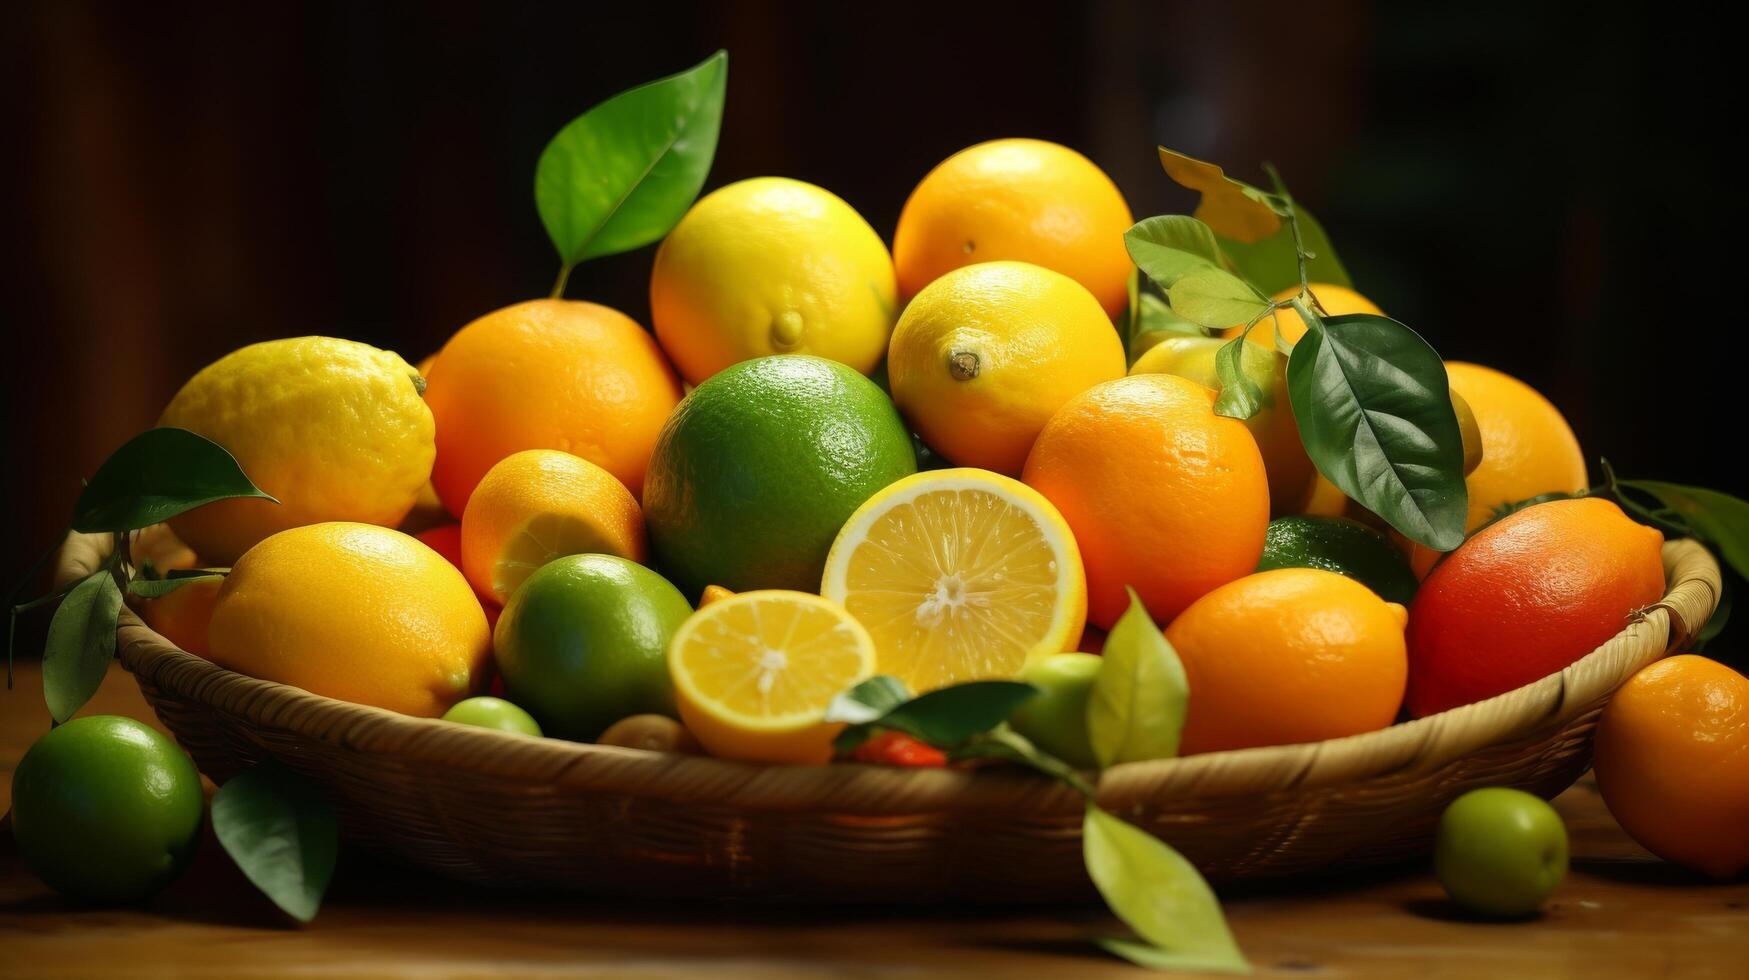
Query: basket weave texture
{"x": 497, "y": 808}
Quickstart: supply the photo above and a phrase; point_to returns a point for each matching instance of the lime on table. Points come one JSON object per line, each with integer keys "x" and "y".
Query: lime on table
{"x": 106, "y": 809}
{"x": 584, "y": 643}
{"x": 1343, "y": 546}
{"x": 760, "y": 466}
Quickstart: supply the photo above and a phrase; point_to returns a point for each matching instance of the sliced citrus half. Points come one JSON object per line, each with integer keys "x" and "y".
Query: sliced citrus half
{"x": 754, "y": 672}
{"x": 538, "y": 505}
{"x": 959, "y": 574}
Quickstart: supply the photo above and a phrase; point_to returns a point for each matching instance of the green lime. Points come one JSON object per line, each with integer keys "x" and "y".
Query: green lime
{"x": 584, "y": 643}
{"x": 106, "y": 809}
{"x": 1056, "y": 718}
{"x": 496, "y": 713}
{"x": 1337, "y": 544}
{"x": 760, "y": 466}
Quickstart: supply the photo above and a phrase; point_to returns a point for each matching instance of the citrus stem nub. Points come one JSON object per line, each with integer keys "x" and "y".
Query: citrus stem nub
{"x": 786, "y": 330}
{"x": 963, "y": 365}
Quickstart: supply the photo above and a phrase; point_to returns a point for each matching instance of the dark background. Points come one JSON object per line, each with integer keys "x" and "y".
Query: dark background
{"x": 1548, "y": 189}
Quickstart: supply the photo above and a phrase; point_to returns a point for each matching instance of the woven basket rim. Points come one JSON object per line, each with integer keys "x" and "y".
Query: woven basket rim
{"x": 1693, "y": 588}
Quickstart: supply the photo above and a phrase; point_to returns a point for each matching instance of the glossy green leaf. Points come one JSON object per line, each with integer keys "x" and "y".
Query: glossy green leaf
{"x": 281, "y": 833}
{"x": 1158, "y": 893}
{"x": 1140, "y": 693}
{"x": 157, "y": 588}
{"x": 1170, "y": 246}
{"x": 622, "y": 174}
{"x": 1215, "y": 298}
{"x": 81, "y": 643}
{"x": 156, "y": 475}
{"x": 1271, "y": 266}
{"x": 945, "y": 717}
{"x": 1374, "y": 410}
{"x": 1715, "y": 518}
{"x": 1240, "y": 397}
{"x": 868, "y": 700}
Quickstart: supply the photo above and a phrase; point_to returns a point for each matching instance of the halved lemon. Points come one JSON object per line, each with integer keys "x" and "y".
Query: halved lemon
{"x": 538, "y": 505}
{"x": 754, "y": 672}
{"x": 959, "y": 574}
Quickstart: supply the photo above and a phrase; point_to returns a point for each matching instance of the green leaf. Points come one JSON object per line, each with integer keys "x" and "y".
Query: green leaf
{"x": 868, "y": 700}
{"x": 1374, "y": 410}
{"x": 1234, "y": 209}
{"x": 157, "y": 588}
{"x": 1154, "y": 322}
{"x": 1271, "y": 266}
{"x": 1240, "y": 397}
{"x": 81, "y": 643}
{"x": 622, "y": 174}
{"x": 1170, "y": 246}
{"x": 947, "y": 716}
{"x": 281, "y": 833}
{"x": 1005, "y": 743}
{"x": 156, "y": 475}
{"x": 1140, "y": 693}
{"x": 1215, "y": 298}
{"x": 1159, "y": 894}
{"x": 1716, "y": 518}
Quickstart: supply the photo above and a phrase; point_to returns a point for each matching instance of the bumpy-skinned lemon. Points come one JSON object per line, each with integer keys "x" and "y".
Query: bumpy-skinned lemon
{"x": 772, "y": 266}
{"x": 985, "y": 354}
{"x": 353, "y": 612}
{"x": 335, "y": 429}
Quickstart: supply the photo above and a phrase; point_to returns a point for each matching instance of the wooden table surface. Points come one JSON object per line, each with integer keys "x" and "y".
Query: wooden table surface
{"x": 1621, "y": 913}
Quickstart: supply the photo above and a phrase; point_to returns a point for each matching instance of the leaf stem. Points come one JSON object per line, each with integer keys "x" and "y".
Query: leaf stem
{"x": 564, "y": 278}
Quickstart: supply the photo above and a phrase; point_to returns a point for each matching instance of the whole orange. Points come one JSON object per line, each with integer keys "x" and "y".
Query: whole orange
{"x": 446, "y": 540}
{"x": 1163, "y": 495}
{"x": 1021, "y": 199}
{"x": 547, "y": 374}
{"x": 1673, "y": 763}
{"x": 1526, "y": 596}
{"x": 182, "y": 616}
{"x": 1286, "y": 656}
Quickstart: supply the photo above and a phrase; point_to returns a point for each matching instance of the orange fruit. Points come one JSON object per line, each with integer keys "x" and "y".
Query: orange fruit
{"x": 1527, "y": 448}
{"x": 1020, "y": 199}
{"x": 713, "y": 593}
{"x": 1526, "y": 596}
{"x": 355, "y": 612}
{"x": 1162, "y": 494}
{"x": 983, "y": 356}
{"x": 547, "y": 374}
{"x": 182, "y": 616}
{"x": 1289, "y": 655}
{"x": 446, "y": 540}
{"x": 1332, "y": 299}
{"x": 1673, "y": 763}
{"x": 541, "y": 504}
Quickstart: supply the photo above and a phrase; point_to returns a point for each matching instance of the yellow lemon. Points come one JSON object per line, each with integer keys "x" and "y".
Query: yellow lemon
{"x": 959, "y": 574}
{"x": 754, "y": 673}
{"x": 335, "y": 429}
{"x": 984, "y": 355}
{"x": 355, "y": 612}
{"x": 772, "y": 266}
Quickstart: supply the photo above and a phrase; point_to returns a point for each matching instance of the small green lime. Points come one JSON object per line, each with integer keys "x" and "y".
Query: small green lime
{"x": 584, "y": 643}
{"x": 106, "y": 809}
{"x": 1056, "y": 718}
{"x": 490, "y": 712}
{"x": 1343, "y": 546}
{"x": 1500, "y": 852}
{"x": 759, "y": 467}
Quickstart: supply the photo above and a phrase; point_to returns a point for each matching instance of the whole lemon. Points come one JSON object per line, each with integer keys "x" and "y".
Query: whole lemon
{"x": 355, "y": 612}
{"x": 772, "y": 266}
{"x": 335, "y": 429}
{"x": 985, "y": 354}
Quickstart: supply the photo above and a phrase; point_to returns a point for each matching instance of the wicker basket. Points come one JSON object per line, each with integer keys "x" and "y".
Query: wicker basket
{"x": 504, "y": 809}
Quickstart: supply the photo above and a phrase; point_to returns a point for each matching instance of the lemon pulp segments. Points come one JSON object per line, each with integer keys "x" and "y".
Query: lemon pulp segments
{"x": 959, "y": 575}
{"x": 544, "y": 538}
{"x": 769, "y": 660}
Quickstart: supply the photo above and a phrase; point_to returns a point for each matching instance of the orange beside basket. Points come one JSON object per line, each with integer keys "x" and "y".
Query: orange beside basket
{"x": 503, "y": 809}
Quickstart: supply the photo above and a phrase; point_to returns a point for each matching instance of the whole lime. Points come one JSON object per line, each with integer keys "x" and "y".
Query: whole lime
{"x": 584, "y": 643}
{"x": 495, "y": 713}
{"x": 1500, "y": 851}
{"x": 106, "y": 810}
{"x": 1056, "y": 718}
{"x": 760, "y": 466}
{"x": 1343, "y": 546}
